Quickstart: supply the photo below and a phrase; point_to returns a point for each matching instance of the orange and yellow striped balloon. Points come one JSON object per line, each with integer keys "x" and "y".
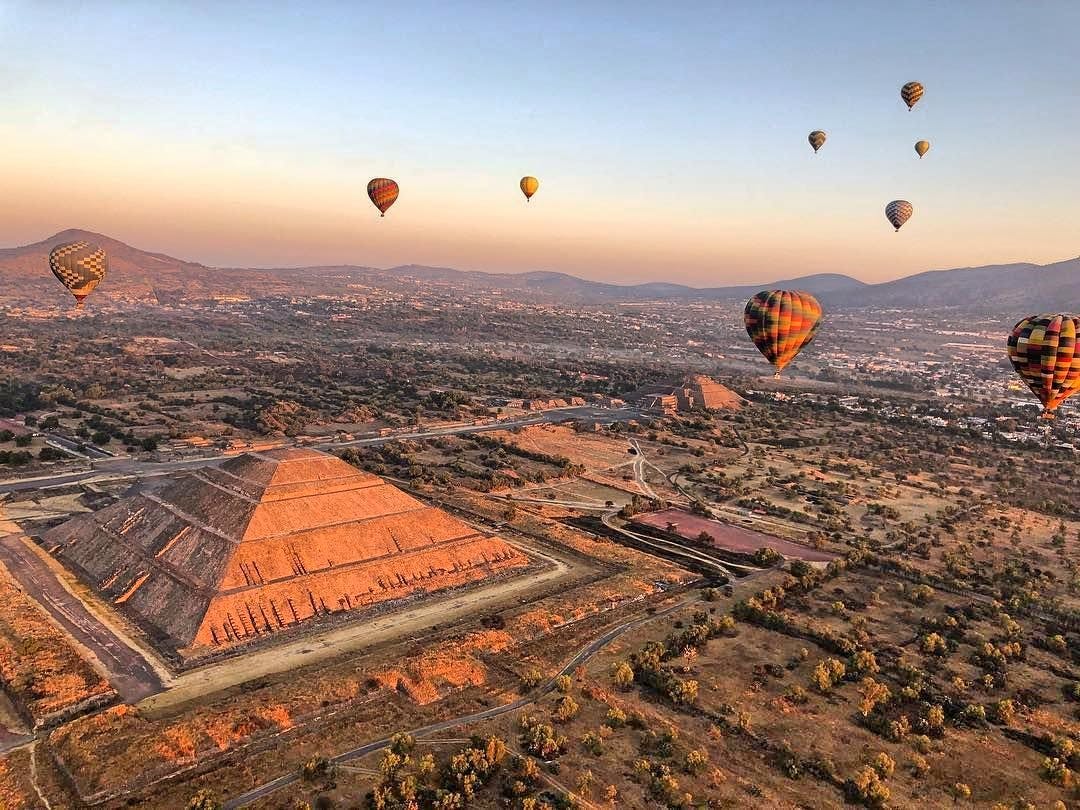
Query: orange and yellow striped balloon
{"x": 782, "y": 323}
{"x": 529, "y": 185}
{"x": 383, "y": 192}
{"x": 1044, "y": 353}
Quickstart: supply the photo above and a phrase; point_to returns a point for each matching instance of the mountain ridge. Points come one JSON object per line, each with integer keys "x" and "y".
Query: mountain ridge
{"x": 147, "y": 274}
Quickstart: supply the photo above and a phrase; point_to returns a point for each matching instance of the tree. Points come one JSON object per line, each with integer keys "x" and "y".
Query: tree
{"x": 696, "y": 761}
{"x": 884, "y": 765}
{"x": 585, "y": 783}
{"x": 564, "y": 684}
{"x": 531, "y": 678}
{"x": 873, "y": 694}
{"x": 149, "y": 444}
{"x": 1004, "y": 711}
{"x": 24, "y": 440}
{"x": 623, "y": 675}
{"x": 611, "y": 795}
{"x": 100, "y": 438}
{"x": 960, "y": 792}
{"x": 51, "y": 454}
{"x": 566, "y": 709}
{"x": 867, "y": 787}
{"x": 204, "y": 800}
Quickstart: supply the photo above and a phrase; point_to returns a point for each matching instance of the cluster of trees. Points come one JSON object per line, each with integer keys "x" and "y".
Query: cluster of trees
{"x": 411, "y": 782}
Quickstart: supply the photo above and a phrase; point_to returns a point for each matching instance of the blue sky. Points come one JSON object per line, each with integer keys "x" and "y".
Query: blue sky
{"x": 670, "y": 141}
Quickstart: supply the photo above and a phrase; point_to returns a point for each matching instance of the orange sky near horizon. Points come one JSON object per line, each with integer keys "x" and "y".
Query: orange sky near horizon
{"x": 247, "y": 215}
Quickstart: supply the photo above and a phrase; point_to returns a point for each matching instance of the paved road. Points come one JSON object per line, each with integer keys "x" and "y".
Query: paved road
{"x": 120, "y": 467}
{"x": 264, "y": 790}
{"x": 12, "y": 739}
{"x": 128, "y": 672}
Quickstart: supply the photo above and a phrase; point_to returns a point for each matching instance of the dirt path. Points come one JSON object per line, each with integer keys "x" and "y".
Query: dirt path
{"x": 126, "y": 670}
{"x": 356, "y": 636}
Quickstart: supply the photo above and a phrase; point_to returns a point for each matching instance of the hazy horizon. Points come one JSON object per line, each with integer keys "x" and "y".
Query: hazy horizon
{"x": 670, "y": 146}
{"x": 302, "y": 266}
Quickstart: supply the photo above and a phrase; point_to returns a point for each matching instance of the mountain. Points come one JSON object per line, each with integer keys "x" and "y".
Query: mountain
{"x": 1026, "y": 287}
{"x": 137, "y": 275}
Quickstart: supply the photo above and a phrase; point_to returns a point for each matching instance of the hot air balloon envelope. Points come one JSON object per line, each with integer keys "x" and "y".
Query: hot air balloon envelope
{"x": 529, "y": 185}
{"x": 911, "y": 93}
{"x": 898, "y": 212}
{"x": 817, "y": 139}
{"x": 80, "y": 267}
{"x": 382, "y": 192}
{"x": 1044, "y": 353}
{"x": 782, "y": 323}
{"x": 922, "y": 147}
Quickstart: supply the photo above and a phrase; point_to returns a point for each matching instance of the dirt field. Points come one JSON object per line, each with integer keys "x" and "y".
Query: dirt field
{"x": 40, "y": 669}
{"x": 728, "y": 537}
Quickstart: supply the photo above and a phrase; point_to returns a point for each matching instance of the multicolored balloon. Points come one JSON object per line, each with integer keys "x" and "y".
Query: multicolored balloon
{"x": 782, "y": 323}
{"x": 898, "y": 212}
{"x": 817, "y": 139}
{"x": 80, "y": 267}
{"x": 529, "y": 185}
{"x": 1044, "y": 352}
{"x": 922, "y": 147}
{"x": 383, "y": 192}
{"x": 911, "y": 93}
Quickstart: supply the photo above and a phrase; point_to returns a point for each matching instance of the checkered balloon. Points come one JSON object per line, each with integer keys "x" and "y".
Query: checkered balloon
{"x": 80, "y": 266}
{"x": 898, "y": 212}
{"x": 1044, "y": 351}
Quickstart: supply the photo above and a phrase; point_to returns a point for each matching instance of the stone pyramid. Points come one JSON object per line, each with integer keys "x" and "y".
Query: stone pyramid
{"x": 265, "y": 541}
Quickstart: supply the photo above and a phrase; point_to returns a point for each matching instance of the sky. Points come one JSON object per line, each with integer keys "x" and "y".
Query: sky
{"x": 669, "y": 138}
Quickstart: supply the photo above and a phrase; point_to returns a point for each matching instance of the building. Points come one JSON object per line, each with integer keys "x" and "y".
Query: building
{"x": 696, "y": 392}
{"x": 265, "y": 542}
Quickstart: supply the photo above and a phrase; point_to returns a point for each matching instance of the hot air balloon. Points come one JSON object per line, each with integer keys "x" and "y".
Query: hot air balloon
{"x": 817, "y": 139}
{"x": 911, "y": 93}
{"x": 898, "y": 212}
{"x": 781, "y": 323}
{"x": 922, "y": 147}
{"x": 1044, "y": 352}
{"x": 80, "y": 266}
{"x": 529, "y": 185}
{"x": 383, "y": 192}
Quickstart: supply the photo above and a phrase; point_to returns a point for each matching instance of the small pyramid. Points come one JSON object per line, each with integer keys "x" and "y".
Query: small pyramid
{"x": 701, "y": 391}
{"x": 265, "y": 541}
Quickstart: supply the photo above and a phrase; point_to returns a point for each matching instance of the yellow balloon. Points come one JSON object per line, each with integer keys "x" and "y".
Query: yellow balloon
{"x": 529, "y": 185}
{"x": 922, "y": 147}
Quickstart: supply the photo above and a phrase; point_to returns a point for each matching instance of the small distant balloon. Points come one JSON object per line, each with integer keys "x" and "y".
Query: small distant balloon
{"x": 781, "y": 323}
{"x": 1044, "y": 352}
{"x": 80, "y": 267}
{"x": 898, "y": 212}
{"x": 817, "y": 139}
{"x": 911, "y": 93}
{"x": 529, "y": 185}
{"x": 922, "y": 147}
{"x": 383, "y": 192}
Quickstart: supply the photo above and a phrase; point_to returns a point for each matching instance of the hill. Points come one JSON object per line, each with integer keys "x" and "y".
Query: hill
{"x": 138, "y": 275}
